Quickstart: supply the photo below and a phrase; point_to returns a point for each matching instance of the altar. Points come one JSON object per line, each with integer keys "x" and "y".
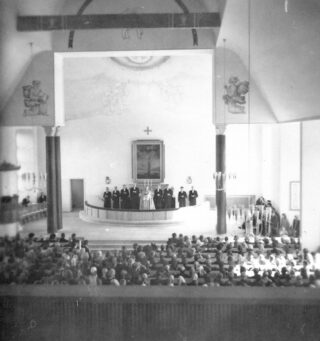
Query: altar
{"x": 92, "y": 213}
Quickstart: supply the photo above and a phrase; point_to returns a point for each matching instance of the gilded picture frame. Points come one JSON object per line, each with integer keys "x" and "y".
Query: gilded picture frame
{"x": 148, "y": 161}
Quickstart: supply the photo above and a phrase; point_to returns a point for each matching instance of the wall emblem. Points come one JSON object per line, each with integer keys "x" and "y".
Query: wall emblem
{"x": 35, "y": 100}
{"x": 235, "y": 95}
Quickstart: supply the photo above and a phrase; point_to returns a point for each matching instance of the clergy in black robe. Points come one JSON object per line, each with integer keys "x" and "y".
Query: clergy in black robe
{"x": 157, "y": 198}
{"x": 135, "y": 197}
{"x": 182, "y": 196}
{"x": 116, "y": 198}
{"x": 167, "y": 197}
{"x": 107, "y": 198}
{"x": 125, "y": 198}
{"x": 193, "y": 195}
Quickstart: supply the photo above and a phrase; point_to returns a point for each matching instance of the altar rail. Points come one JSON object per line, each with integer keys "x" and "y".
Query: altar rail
{"x": 158, "y": 313}
{"x": 233, "y": 200}
{"x": 96, "y": 213}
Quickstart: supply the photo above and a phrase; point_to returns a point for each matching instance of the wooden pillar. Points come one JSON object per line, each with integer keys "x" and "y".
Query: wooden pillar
{"x": 9, "y": 199}
{"x": 221, "y": 200}
{"x": 53, "y": 164}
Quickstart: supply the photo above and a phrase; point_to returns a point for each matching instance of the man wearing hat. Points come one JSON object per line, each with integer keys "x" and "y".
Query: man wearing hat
{"x": 182, "y": 196}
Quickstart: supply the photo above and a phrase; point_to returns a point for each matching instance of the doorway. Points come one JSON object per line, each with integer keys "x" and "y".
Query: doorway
{"x": 77, "y": 194}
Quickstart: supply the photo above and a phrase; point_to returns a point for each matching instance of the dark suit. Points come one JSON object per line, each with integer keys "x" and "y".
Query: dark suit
{"x": 157, "y": 198}
{"x": 125, "y": 199}
{"x": 116, "y": 199}
{"x": 296, "y": 227}
{"x": 107, "y": 199}
{"x": 182, "y": 196}
{"x": 193, "y": 195}
{"x": 167, "y": 198}
{"x": 135, "y": 199}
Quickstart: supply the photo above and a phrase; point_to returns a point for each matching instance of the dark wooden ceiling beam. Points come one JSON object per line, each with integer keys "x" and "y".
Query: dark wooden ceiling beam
{"x": 111, "y": 21}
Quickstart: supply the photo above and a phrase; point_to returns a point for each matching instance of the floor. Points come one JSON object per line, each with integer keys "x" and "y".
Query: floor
{"x": 107, "y": 235}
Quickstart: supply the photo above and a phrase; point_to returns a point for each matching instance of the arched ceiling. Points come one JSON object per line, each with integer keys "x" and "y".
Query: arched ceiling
{"x": 284, "y": 52}
{"x": 284, "y": 44}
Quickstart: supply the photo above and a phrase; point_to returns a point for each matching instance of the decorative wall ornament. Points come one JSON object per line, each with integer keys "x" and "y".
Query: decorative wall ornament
{"x": 140, "y": 62}
{"x": 189, "y": 180}
{"x": 114, "y": 99}
{"x": 108, "y": 180}
{"x": 32, "y": 181}
{"x": 235, "y": 95}
{"x": 221, "y": 178}
{"x": 35, "y": 100}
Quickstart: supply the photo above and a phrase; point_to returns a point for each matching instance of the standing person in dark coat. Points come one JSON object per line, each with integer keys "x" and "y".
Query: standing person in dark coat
{"x": 193, "y": 195}
{"x": 167, "y": 197}
{"x": 296, "y": 226}
{"x": 275, "y": 223}
{"x": 173, "y": 200}
{"x": 182, "y": 196}
{"x": 135, "y": 197}
{"x": 107, "y": 198}
{"x": 125, "y": 198}
{"x": 116, "y": 198}
{"x": 157, "y": 198}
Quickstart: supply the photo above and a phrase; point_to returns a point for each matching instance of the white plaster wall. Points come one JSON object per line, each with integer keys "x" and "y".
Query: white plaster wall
{"x": 289, "y": 164}
{"x": 174, "y": 100}
{"x": 270, "y": 163}
{"x": 98, "y": 147}
{"x": 310, "y": 209}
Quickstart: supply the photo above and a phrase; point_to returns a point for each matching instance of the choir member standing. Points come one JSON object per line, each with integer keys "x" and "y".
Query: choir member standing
{"x": 125, "y": 198}
{"x": 107, "y": 198}
{"x": 116, "y": 198}
{"x": 173, "y": 199}
{"x": 193, "y": 195}
{"x": 167, "y": 197}
{"x": 135, "y": 197}
{"x": 157, "y": 198}
{"x": 182, "y": 196}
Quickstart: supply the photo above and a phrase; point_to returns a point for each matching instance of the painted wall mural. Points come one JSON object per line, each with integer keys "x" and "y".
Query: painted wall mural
{"x": 35, "y": 100}
{"x": 235, "y": 95}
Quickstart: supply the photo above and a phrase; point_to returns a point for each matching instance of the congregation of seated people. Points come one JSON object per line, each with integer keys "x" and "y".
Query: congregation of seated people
{"x": 182, "y": 261}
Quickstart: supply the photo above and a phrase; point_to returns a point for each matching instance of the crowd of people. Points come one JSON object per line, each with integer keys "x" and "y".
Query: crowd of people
{"x": 26, "y": 201}
{"x": 147, "y": 199}
{"x": 263, "y": 219}
{"x": 198, "y": 261}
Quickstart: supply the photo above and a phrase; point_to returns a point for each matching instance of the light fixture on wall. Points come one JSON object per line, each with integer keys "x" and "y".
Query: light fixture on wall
{"x": 189, "y": 180}
{"x": 33, "y": 182}
{"x": 221, "y": 178}
{"x": 108, "y": 180}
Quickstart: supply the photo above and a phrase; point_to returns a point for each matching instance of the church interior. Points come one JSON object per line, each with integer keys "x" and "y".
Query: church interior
{"x": 159, "y": 169}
